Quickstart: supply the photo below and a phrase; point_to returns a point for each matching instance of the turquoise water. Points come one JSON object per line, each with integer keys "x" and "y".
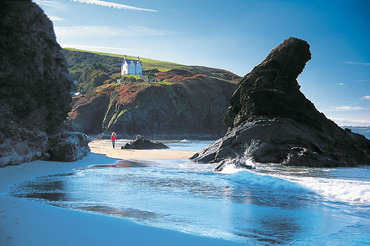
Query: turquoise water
{"x": 269, "y": 205}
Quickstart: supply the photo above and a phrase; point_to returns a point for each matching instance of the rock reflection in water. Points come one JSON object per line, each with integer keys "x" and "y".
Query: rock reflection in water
{"x": 49, "y": 188}
{"x": 121, "y": 164}
{"x": 270, "y": 217}
{"x": 130, "y": 213}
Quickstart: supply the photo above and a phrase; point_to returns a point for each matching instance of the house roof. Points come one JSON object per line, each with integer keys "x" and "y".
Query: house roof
{"x": 129, "y": 61}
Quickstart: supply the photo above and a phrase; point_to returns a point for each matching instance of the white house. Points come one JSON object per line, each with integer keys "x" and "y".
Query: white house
{"x": 131, "y": 67}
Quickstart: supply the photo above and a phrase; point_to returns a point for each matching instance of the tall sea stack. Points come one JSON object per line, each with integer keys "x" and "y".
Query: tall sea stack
{"x": 34, "y": 88}
{"x": 271, "y": 121}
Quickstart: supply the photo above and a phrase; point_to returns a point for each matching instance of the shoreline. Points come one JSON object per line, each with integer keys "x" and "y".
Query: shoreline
{"x": 29, "y": 222}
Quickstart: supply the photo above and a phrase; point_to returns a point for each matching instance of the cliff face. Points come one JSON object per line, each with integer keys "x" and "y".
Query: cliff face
{"x": 183, "y": 102}
{"x": 193, "y": 108}
{"x": 271, "y": 121}
{"x": 34, "y": 84}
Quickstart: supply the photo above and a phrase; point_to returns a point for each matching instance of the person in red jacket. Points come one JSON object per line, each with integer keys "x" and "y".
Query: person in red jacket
{"x": 113, "y": 137}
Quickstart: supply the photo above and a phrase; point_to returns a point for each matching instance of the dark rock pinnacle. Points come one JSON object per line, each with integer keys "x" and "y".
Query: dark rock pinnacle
{"x": 271, "y": 121}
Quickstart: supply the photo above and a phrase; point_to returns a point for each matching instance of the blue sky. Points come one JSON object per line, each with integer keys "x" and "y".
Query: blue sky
{"x": 235, "y": 35}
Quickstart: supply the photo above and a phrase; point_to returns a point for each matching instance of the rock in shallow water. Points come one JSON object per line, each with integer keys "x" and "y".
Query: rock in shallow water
{"x": 271, "y": 121}
{"x": 141, "y": 143}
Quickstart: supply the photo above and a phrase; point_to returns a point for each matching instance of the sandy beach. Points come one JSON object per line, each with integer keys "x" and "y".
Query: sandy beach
{"x": 104, "y": 147}
{"x": 28, "y": 222}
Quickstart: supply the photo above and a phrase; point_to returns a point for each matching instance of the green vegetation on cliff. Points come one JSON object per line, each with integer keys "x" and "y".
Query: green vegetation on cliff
{"x": 92, "y": 69}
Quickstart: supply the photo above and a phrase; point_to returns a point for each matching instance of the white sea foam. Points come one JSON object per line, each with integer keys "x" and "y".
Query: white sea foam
{"x": 231, "y": 168}
{"x": 351, "y": 191}
{"x": 332, "y": 189}
{"x": 253, "y": 178}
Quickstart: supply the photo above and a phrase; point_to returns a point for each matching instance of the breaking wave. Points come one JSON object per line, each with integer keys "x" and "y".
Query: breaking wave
{"x": 342, "y": 190}
{"x": 332, "y": 189}
{"x": 253, "y": 178}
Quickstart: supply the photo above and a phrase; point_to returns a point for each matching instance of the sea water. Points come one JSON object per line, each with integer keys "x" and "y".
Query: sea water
{"x": 267, "y": 205}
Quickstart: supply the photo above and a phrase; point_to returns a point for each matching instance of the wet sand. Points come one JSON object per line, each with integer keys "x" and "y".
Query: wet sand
{"x": 105, "y": 147}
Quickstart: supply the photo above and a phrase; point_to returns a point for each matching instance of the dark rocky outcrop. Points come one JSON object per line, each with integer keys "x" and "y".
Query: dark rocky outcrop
{"x": 71, "y": 147}
{"x": 271, "y": 121}
{"x": 141, "y": 143}
{"x": 34, "y": 84}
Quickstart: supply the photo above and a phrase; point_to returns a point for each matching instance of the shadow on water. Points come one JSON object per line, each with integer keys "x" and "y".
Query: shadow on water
{"x": 268, "y": 209}
{"x": 53, "y": 190}
{"x": 121, "y": 164}
{"x": 46, "y": 188}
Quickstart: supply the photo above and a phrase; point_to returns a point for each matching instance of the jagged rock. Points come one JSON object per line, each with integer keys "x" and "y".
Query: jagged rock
{"x": 141, "y": 143}
{"x": 271, "y": 121}
{"x": 34, "y": 82}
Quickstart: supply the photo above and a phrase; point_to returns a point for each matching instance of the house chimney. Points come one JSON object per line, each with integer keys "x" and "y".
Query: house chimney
{"x": 138, "y": 58}
{"x": 124, "y": 57}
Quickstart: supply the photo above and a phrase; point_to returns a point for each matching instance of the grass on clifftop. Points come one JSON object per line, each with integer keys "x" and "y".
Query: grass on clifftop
{"x": 147, "y": 63}
{"x": 92, "y": 69}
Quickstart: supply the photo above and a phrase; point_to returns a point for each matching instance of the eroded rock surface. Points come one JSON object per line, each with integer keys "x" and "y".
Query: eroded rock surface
{"x": 271, "y": 121}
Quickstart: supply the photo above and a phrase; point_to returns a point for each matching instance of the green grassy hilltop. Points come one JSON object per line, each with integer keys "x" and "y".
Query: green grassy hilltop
{"x": 93, "y": 69}
{"x": 147, "y": 63}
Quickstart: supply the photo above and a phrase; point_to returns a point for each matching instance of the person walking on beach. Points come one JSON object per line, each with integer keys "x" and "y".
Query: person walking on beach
{"x": 113, "y": 137}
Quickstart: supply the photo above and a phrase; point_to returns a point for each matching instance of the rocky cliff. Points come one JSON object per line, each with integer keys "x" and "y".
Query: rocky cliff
{"x": 179, "y": 101}
{"x": 35, "y": 85}
{"x": 271, "y": 121}
{"x": 192, "y": 108}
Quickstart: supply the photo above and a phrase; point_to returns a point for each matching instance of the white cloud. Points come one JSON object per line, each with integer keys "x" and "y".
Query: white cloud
{"x": 345, "y": 108}
{"x": 74, "y": 31}
{"x": 366, "y": 97}
{"x": 94, "y": 31}
{"x": 341, "y": 84}
{"x": 362, "y": 80}
{"x": 55, "y": 18}
{"x": 50, "y": 3}
{"x": 113, "y": 5}
{"x": 93, "y": 47}
{"x": 358, "y": 63}
{"x": 351, "y": 122}
{"x": 145, "y": 31}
